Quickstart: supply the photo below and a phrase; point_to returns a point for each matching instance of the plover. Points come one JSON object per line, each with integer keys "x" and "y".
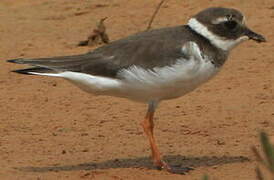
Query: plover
{"x": 153, "y": 66}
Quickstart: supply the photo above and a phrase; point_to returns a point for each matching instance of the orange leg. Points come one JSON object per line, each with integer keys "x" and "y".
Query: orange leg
{"x": 148, "y": 126}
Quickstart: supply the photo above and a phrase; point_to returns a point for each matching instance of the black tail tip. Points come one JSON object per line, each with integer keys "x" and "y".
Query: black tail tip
{"x": 22, "y": 71}
{"x": 18, "y": 61}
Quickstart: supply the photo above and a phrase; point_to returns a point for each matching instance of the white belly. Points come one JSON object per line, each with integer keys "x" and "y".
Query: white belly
{"x": 167, "y": 82}
{"x": 142, "y": 85}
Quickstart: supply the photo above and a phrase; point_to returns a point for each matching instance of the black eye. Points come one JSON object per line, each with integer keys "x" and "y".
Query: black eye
{"x": 231, "y": 25}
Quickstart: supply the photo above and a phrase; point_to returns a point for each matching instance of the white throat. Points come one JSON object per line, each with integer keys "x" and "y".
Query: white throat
{"x": 216, "y": 40}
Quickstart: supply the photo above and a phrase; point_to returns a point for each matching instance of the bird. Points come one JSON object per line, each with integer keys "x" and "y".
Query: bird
{"x": 153, "y": 66}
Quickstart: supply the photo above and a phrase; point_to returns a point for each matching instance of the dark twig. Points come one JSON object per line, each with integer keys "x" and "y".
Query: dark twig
{"x": 257, "y": 154}
{"x": 259, "y": 174}
{"x": 154, "y": 14}
{"x": 97, "y": 36}
{"x": 102, "y": 30}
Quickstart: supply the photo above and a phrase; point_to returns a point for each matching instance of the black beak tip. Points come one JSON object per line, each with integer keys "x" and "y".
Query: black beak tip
{"x": 254, "y": 36}
{"x": 259, "y": 39}
{"x": 263, "y": 40}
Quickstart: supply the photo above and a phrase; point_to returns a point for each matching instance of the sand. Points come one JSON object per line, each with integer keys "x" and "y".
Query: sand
{"x": 52, "y": 130}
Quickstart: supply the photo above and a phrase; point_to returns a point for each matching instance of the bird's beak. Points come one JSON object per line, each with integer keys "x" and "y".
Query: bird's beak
{"x": 254, "y": 36}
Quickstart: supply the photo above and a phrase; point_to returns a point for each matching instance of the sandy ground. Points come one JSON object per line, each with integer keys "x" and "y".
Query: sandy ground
{"x": 51, "y": 130}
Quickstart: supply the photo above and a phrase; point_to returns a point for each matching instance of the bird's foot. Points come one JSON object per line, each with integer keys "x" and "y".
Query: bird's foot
{"x": 174, "y": 169}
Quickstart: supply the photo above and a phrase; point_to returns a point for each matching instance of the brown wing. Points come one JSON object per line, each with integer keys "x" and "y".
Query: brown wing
{"x": 150, "y": 49}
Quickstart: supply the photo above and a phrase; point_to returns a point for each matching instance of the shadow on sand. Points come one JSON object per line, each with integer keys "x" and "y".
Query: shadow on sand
{"x": 142, "y": 162}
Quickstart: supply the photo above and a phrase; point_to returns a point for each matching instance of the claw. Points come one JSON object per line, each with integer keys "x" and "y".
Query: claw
{"x": 174, "y": 170}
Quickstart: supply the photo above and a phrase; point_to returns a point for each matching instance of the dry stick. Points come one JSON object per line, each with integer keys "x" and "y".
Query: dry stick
{"x": 257, "y": 154}
{"x": 260, "y": 159}
{"x": 97, "y": 36}
{"x": 259, "y": 174}
{"x": 154, "y": 14}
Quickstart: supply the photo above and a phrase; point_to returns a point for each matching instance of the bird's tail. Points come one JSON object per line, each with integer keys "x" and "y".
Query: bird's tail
{"x": 36, "y": 70}
{"x": 50, "y": 66}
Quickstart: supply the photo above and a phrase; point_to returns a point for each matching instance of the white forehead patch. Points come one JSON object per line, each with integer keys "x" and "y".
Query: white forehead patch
{"x": 220, "y": 20}
{"x": 225, "y": 19}
{"x": 219, "y": 42}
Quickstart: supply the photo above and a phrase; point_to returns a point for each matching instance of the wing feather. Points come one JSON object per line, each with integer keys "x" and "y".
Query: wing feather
{"x": 156, "y": 48}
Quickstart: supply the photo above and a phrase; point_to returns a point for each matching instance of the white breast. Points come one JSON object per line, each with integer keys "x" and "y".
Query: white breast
{"x": 171, "y": 81}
